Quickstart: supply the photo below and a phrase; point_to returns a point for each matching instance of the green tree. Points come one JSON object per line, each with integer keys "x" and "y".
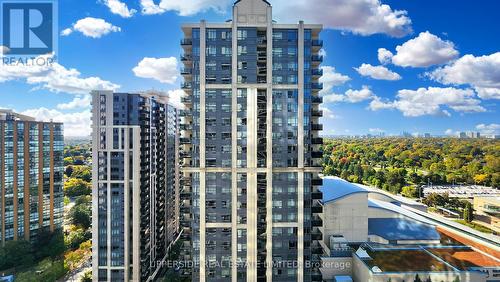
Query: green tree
{"x": 82, "y": 172}
{"x": 410, "y": 191}
{"x": 80, "y": 215}
{"x": 16, "y": 254}
{"x": 49, "y": 244}
{"x": 74, "y": 187}
{"x": 87, "y": 276}
{"x": 468, "y": 213}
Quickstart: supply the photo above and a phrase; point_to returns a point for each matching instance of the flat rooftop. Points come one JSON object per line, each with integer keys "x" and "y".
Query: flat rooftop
{"x": 401, "y": 229}
{"x": 414, "y": 260}
{"x": 464, "y": 259}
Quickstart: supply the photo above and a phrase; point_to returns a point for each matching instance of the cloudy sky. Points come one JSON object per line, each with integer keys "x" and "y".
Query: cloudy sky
{"x": 390, "y": 66}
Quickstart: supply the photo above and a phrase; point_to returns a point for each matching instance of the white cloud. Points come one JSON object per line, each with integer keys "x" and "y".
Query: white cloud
{"x": 66, "y": 31}
{"x": 365, "y": 17}
{"x": 80, "y": 101}
{"x": 376, "y": 130}
{"x": 330, "y": 79}
{"x": 184, "y": 7}
{"x": 333, "y": 98}
{"x": 384, "y": 56}
{"x": 119, "y": 8}
{"x": 91, "y": 27}
{"x": 175, "y": 97}
{"x": 356, "y": 96}
{"x": 350, "y": 96}
{"x": 161, "y": 69}
{"x": 75, "y": 124}
{"x": 489, "y": 129}
{"x": 483, "y": 73}
{"x": 4, "y": 50}
{"x": 377, "y": 72}
{"x": 450, "y": 132}
{"x": 327, "y": 113}
{"x": 430, "y": 101}
{"x": 423, "y": 51}
{"x": 55, "y": 78}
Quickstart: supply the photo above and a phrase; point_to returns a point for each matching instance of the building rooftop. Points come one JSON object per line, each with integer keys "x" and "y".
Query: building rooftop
{"x": 464, "y": 259}
{"x": 410, "y": 260}
{"x": 401, "y": 229}
{"x": 335, "y": 188}
{"x": 6, "y": 114}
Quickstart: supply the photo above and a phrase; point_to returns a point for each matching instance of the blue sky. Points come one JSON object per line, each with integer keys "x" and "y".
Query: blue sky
{"x": 443, "y": 77}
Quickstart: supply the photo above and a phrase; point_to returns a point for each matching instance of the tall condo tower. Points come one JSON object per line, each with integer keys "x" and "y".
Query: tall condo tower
{"x": 135, "y": 185}
{"x": 251, "y": 148}
{"x": 31, "y": 176}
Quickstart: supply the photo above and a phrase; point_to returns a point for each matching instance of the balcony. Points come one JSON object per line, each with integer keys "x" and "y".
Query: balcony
{"x": 185, "y": 155}
{"x": 185, "y": 140}
{"x": 186, "y": 113}
{"x": 317, "y": 195}
{"x": 317, "y": 72}
{"x": 317, "y": 155}
{"x": 186, "y": 42}
{"x": 186, "y": 127}
{"x": 317, "y": 182}
{"x": 317, "y": 208}
{"x": 317, "y": 43}
{"x": 317, "y": 113}
{"x": 317, "y": 127}
{"x": 317, "y": 100}
{"x": 186, "y": 71}
{"x": 186, "y": 58}
{"x": 317, "y": 141}
{"x": 317, "y": 58}
{"x": 317, "y": 86}
{"x": 186, "y": 86}
{"x": 316, "y": 235}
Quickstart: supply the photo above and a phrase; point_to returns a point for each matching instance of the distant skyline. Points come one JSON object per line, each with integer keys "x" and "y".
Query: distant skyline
{"x": 390, "y": 66}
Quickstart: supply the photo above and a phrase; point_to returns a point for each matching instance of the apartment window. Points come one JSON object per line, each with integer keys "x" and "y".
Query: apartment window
{"x": 211, "y": 51}
{"x": 242, "y": 34}
{"x": 292, "y": 51}
{"x": 277, "y": 66}
{"x": 242, "y": 65}
{"x": 226, "y": 108}
{"x": 211, "y": 34}
{"x": 277, "y": 52}
{"x": 226, "y": 35}
{"x": 277, "y": 35}
{"x": 226, "y": 51}
{"x": 242, "y": 50}
{"x": 277, "y": 204}
{"x": 212, "y": 66}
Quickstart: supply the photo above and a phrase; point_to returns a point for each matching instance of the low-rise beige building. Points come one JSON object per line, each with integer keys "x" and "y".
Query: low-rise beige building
{"x": 489, "y": 209}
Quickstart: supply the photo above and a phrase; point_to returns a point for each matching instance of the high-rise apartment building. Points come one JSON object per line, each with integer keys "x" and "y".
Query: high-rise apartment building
{"x": 31, "y": 176}
{"x": 251, "y": 148}
{"x": 135, "y": 184}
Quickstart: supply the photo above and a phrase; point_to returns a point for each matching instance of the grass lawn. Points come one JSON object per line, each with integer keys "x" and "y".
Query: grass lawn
{"x": 405, "y": 260}
{"x": 475, "y": 226}
{"x": 46, "y": 270}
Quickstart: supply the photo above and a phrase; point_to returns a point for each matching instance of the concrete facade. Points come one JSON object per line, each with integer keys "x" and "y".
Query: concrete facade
{"x": 251, "y": 146}
{"x": 31, "y": 176}
{"x": 135, "y": 191}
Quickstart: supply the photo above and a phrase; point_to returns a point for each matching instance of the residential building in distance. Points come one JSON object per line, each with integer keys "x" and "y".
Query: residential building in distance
{"x": 372, "y": 235}
{"x": 487, "y": 208}
{"x": 251, "y": 147}
{"x": 135, "y": 192}
{"x": 31, "y": 176}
